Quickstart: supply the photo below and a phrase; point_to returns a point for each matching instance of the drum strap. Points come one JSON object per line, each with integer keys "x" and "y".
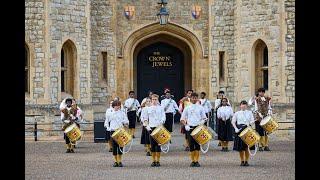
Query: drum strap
{"x": 207, "y": 149}
{"x": 255, "y": 150}
{"x": 166, "y": 149}
{"x": 124, "y": 152}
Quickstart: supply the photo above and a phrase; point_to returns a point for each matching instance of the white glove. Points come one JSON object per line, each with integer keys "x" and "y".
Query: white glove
{"x": 148, "y": 128}
{"x": 202, "y": 121}
{"x": 269, "y": 112}
{"x": 66, "y": 121}
{"x": 108, "y": 129}
{"x": 260, "y": 115}
{"x": 187, "y": 127}
{"x": 236, "y": 130}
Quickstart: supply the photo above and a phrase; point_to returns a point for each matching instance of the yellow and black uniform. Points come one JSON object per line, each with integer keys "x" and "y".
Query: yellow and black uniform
{"x": 114, "y": 120}
{"x": 152, "y": 117}
{"x": 225, "y": 131}
{"x": 262, "y": 109}
{"x": 132, "y": 105}
{"x": 240, "y": 121}
{"x": 194, "y": 115}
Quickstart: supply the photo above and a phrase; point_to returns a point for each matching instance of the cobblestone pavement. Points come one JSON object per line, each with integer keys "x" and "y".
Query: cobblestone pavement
{"x": 48, "y": 160}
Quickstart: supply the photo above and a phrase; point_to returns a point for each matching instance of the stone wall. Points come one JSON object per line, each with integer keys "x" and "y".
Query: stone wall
{"x": 222, "y": 32}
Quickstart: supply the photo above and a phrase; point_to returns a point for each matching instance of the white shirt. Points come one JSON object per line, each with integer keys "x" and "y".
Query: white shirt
{"x": 116, "y": 119}
{"x": 217, "y": 103}
{"x": 170, "y": 104}
{"x": 206, "y": 104}
{"x": 131, "y": 102}
{"x": 154, "y": 115}
{"x": 243, "y": 117}
{"x": 193, "y": 114}
{"x": 225, "y": 112}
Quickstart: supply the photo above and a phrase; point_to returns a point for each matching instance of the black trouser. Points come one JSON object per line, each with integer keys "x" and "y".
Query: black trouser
{"x": 169, "y": 121}
{"x": 66, "y": 138}
{"x": 154, "y": 145}
{"x": 132, "y": 117}
{"x": 192, "y": 143}
{"x": 115, "y": 146}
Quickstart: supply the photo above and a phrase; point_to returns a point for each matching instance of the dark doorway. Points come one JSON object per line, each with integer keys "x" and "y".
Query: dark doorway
{"x": 160, "y": 65}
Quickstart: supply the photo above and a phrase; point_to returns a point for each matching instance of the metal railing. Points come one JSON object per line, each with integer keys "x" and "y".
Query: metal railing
{"x": 35, "y": 128}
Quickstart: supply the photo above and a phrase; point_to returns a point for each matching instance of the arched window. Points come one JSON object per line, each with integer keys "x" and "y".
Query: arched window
{"x": 261, "y": 65}
{"x": 68, "y": 59}
{"x": 26, "y": 69}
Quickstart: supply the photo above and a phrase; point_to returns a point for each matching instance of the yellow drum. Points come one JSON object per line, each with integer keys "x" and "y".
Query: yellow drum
{"x": 161, "y": 135}
{"x": 269, "y": 124}
{"x": 249, "y": 136}
{"x": 73, "y": 132}
{"x": 121, "y": 136}
{"x": 201, "y": 134}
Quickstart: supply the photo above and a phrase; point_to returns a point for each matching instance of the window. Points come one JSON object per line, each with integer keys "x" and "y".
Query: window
{"x": 63, "y": 71}
{"x": 104, "y": 66}
{"x": 68, "y": 61}
{"x": 26, "y": 69}
{"x": 221, "y": 65}
{"x": 261, "y": 65}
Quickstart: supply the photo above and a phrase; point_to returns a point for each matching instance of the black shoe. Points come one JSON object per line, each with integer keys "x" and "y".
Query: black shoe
{"x": 133, "y": 136}
{"x": 226, "y": 149}
{"x": 219, "y": 144}
{"x": 158, "y": 164}
{"x": 154, "y": 164}
{"x": 120, "y": 164}
{"x": 266, "y": 148}
{"x": 148, "y": 154}
{"x": 68, "y": 151}
{"x": 242, "y": 163}
{"x": 260, "y": 149}
{"x": 192, "y": 164}
{"x": 187, "y": 149}
{"x": 71, "y": 150}
{"x": 197, "y": 164}
{"x": 110, "y": 150}
{"x": 222, "y": 149}
{"x": 115, "y": 164}
{"x": 246, "y": 163}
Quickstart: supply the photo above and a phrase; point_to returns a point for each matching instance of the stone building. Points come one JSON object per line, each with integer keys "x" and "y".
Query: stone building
{"x": 95, "y": 50}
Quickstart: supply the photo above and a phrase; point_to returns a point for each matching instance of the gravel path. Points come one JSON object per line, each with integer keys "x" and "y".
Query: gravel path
{"x": 48, "y": 160}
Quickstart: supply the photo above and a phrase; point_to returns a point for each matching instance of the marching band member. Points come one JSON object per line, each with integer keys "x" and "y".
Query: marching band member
{"x": 114, "y": 120}
{"x": 108, "y": 137}
{"x": 69, "y": 114}
{"x": 217, "y": 103}
{"x": 206, "y": 104}
{"x": 132, "y": 105}
{"x": 225, "y": 130}
{"x": 118, "y": 99}
{"x": 145, "y": 135}
{"x": 193, "y": 116}
{"x": 164, "y": 94}
{"x": 183, "y": 103}
{"x": 170, "y": 107}
{"x": 152, "y": 117}
{"x": 262, "y": 109}
{"x": 240, "y": 121}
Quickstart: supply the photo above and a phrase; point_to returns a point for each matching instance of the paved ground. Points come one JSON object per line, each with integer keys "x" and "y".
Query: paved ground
{"x": 48, "y": 160}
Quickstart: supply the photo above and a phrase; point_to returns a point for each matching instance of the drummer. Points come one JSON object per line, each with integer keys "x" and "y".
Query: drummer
{"x": 145, "y": 136}
{"x": 152, "y": 117}
{"x": 225, "y": 131}
{"x": 193, "y": 116}
{"x": 117, "y": 119}
{"x": 108, "y": 138}
{"x": 262, "y": 109}
{"x": 240, "y": 121}
{"x": 69, "y": 114}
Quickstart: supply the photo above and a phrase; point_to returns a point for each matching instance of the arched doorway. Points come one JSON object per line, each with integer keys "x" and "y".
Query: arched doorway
{"x": 162, "y": 61}
{"x": 261, "y": 64}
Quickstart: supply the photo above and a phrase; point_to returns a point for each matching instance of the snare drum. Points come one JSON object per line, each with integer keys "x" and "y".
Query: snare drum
{"x": 269, "y": 124}
{"x": 249, "y": 136}
{"x": 73, "y": 132}
{"x": 161, "y": 135}
{"x": 201, "y": 134}
{"x": 121, "y": 136}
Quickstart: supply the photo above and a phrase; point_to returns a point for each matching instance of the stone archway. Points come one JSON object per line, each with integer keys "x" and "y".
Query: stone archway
{"x": 125, "y": 66}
